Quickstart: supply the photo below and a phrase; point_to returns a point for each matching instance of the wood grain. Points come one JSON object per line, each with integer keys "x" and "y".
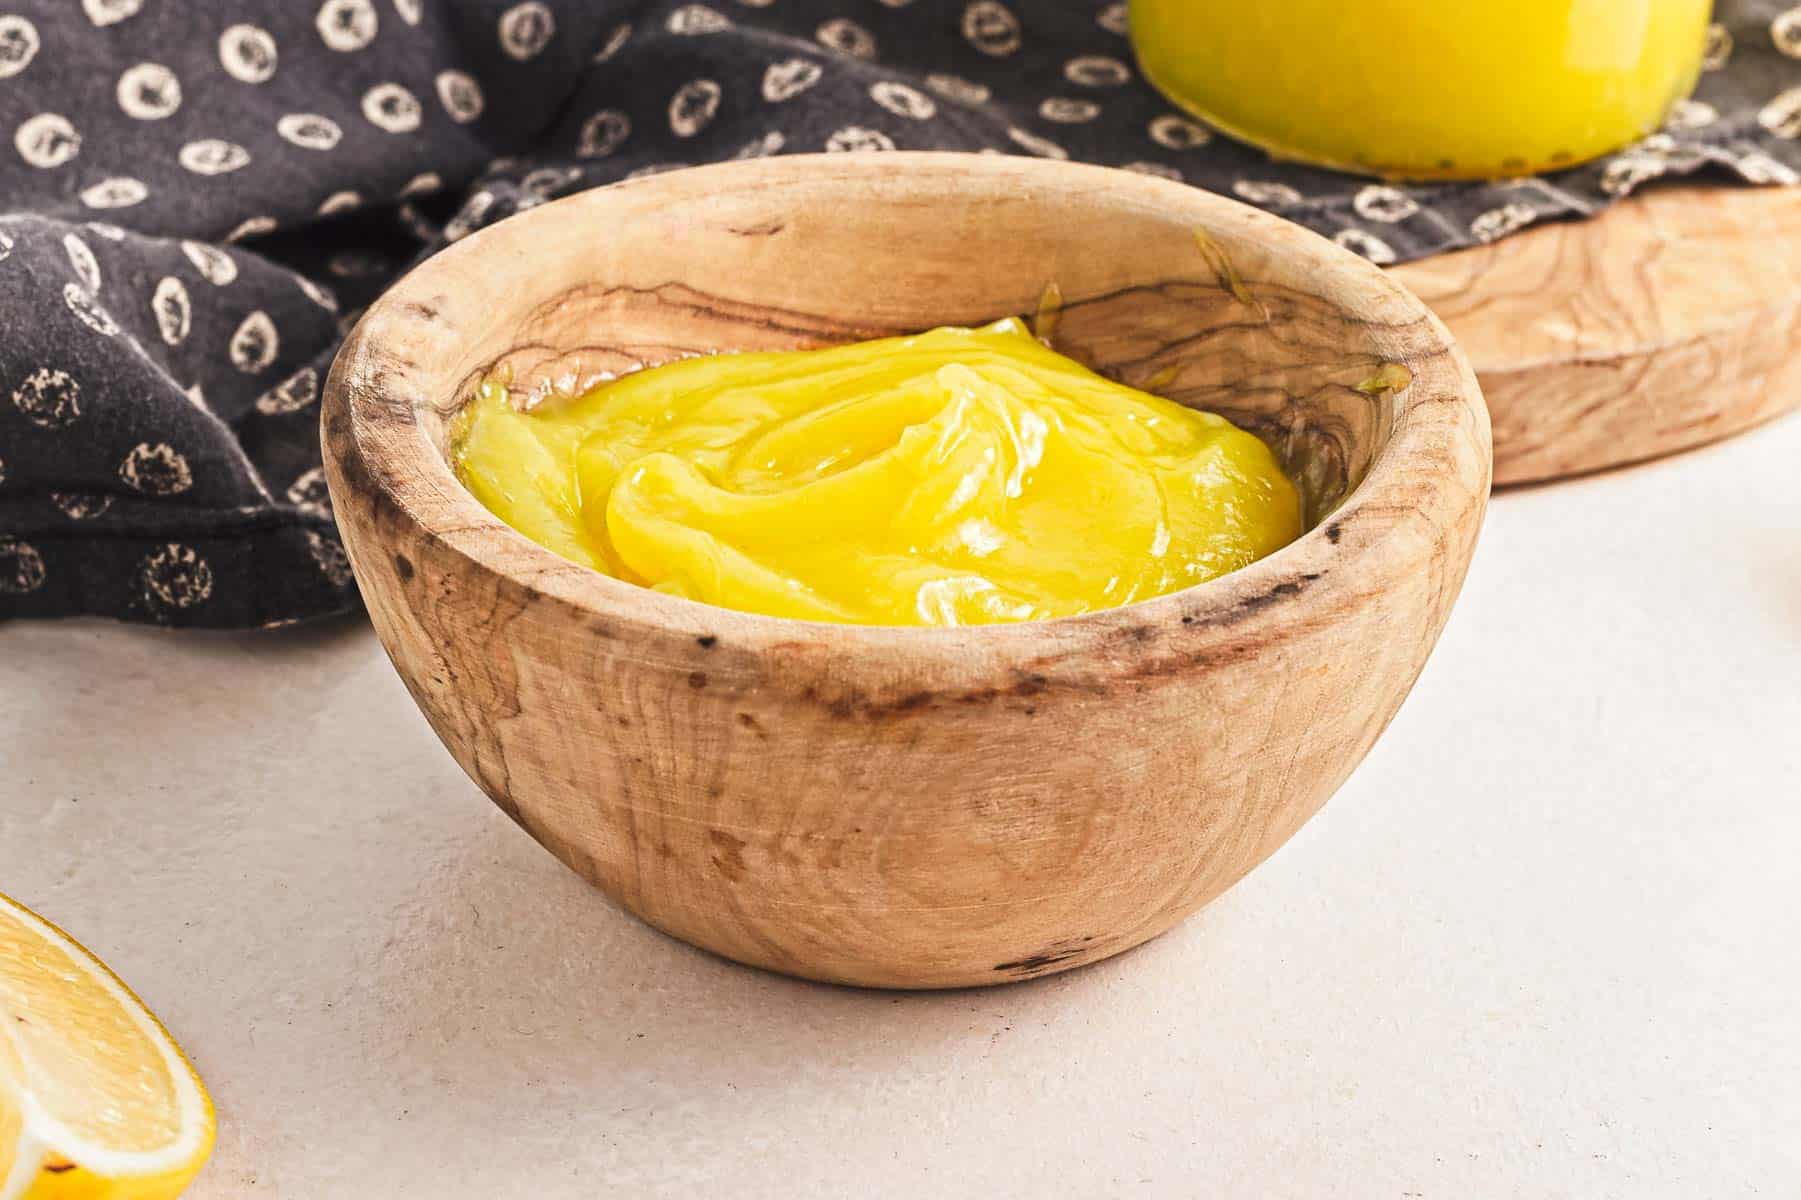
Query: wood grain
{"x": 913, "y": 807}
{"x": 1670, "y": 321}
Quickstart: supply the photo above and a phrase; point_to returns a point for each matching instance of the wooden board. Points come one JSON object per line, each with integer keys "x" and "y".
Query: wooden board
{"x": 1672, "y": 320}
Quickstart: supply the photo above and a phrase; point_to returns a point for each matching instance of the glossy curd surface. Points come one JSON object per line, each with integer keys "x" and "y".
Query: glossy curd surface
{"x": 959, "y": 476}
{"x": 1426, "y": 89}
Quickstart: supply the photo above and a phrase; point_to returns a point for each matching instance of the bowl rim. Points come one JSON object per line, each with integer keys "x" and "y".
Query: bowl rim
{"x": 377, "y": 452}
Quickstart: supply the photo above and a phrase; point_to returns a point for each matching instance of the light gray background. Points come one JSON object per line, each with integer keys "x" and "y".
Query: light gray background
{"x": 1546, "y": 942}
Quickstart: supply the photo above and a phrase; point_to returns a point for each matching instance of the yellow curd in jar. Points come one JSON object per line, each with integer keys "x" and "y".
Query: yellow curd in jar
{"x": 1426, "y": 89}
{"x": 960, "y": 476}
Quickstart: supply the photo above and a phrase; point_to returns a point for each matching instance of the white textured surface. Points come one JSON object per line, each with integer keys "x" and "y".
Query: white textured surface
{"x": 1546, "y": 942}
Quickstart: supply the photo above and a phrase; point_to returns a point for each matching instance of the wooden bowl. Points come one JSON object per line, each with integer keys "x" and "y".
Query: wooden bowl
{"x": 914, "y": 807}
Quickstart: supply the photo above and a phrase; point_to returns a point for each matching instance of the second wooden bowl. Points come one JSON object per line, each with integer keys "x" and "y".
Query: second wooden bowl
{"x": 914, "y": 807}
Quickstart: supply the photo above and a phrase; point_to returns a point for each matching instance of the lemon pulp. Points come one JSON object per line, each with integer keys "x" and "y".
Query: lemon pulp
{"x": 96, "y": 1101}
{"x": 958, "y": 476}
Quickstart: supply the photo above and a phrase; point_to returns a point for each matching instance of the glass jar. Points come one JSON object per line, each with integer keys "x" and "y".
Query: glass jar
{"x": 1426, "y": 89}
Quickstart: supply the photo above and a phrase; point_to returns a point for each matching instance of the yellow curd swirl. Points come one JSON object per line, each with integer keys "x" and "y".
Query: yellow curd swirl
{"x": 955, "y": 477}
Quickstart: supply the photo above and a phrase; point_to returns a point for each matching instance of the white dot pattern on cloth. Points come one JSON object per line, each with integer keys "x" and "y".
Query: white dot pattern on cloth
{"x": 339, "y": 202}
{"x": 248, "y": 54}
{"x": 614, "y": 43}
{"x": 1035, "y": 144}
{"x": 251, "y": 227}
{"x": 460, "y": 95}
{"x": 329, "y": 554}
{"x": 292, "y": 394}
{"x": 49, "y": 398}
{"x": 1718, "y": 49}
{"x": 1498, "y": 222}
{"x": 213, "y": 156}
{"x": 991, "y": 28}
{"x": 118, "y": 191}
{"x": 149, "y": 92}
{"x": 1366, "y": 244}
{"x": 762, "y": 147}
{"x": 855, "y": 138}
{"x": 960, "y": 90}
{"x": 693, "y": 19}
{"x": 309, "y": 493}
{"x": 47, "y": 140}
{"x": 157, "y": 470}
{"x": 1097, "y": 71}
{"x": 21, "y": 566}
{"x": 347, "y": 25}
{"x": 309, "y": 131}
{"x": 1174, "y": 131}
{"x": 1068, "y": 110}
{"x": 1785, "y": 32}
{"x": 203, "y": 198}
{"x": 525, "y": 29}
{"x": 81, "y": 259}
{"x": 1156, "y": 170}
{"x": 175, "y": 577}
{"x": 903, "y": 101}
{"x": 1691, "y": 114}
{"x": 88, "y": 311}
{"x": 18, "y": 44}
{"x": 390, "y": 107}
{"x": 789, "y": 78}
{"x": 846, "y": 37}
{"x": 469, "y": 217}
{"x": 81, "y": 506}
{"x": 422, "y": 184}
{"x": 603, "y": 133}
{"x": 1378, "y": 202}
{"x": 254, "y": 344}
{"x": 174, "y": 313}
{"x": 110, "y": 12}
{"x": 318, "y": 293}
{"x": 693, "y": 107}
{"x": 1268, "y": 193}
{"x": 1782, "y": 116}
{"x": 215, "y": 265}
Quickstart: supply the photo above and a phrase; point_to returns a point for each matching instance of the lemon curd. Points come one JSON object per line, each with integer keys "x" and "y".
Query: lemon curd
{"x": 959, "y": 476}
{"x": 1426, "y": 89}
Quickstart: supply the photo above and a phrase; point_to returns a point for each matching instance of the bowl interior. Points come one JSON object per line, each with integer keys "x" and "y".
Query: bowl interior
{"x": 1192, "y": 297}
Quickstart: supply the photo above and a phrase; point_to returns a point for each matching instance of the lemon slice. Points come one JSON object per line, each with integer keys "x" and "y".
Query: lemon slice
{"x": 96, "y": 1100}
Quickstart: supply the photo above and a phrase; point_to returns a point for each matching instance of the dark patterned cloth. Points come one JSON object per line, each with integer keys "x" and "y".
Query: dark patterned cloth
{"x": 200, "y": 197}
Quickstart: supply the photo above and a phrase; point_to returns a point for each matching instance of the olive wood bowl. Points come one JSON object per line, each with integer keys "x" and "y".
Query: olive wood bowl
{"x": 905, "y": 807}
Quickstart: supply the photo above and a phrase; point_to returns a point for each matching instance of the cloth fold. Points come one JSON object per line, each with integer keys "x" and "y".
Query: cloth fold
{"x": 199, "y": 199}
